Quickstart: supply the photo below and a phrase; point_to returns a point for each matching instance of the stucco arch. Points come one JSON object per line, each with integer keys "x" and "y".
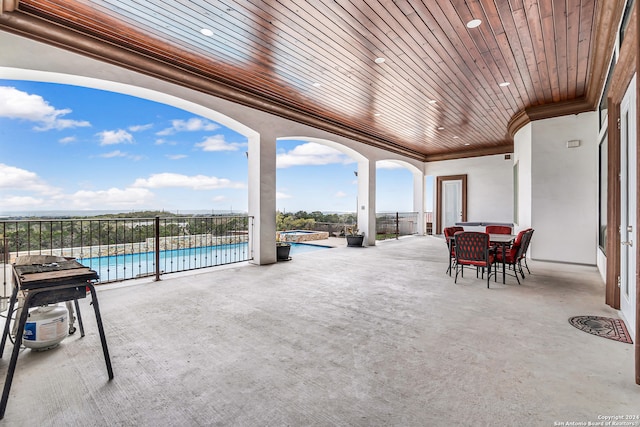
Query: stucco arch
{"x": 127, "y": 89}
{"x": 354, "y": 154}
{"x": 412, "y": 168}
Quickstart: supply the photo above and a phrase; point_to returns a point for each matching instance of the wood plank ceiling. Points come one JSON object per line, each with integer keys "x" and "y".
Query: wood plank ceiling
{"x": 438, "y": 94}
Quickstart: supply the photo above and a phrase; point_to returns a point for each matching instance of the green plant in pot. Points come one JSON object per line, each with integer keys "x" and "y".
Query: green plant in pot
{"x": 354, "y": 237}
{"x": 282, "y": 249}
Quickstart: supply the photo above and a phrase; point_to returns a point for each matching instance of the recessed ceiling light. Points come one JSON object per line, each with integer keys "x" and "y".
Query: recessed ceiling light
{"x": 504, "y": 84}
{"x": 456, "y": 137}
{"x": 432, "y": 101}
{"x": 206, "y": 32}
{"x": 474, "y": 23}
{"x": 466, "y": 143}
{"x": 317, "y": 84}
{"x": 440, "y": 127}
{"x": 377, "y": 114}
{"x": 379, "y": 60}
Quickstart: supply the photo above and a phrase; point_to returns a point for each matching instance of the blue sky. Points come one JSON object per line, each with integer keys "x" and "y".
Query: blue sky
{"x": 65, "y": 147}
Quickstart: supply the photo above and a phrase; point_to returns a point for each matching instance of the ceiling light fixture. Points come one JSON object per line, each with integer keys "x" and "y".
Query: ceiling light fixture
{"x": 440, "y": 127}
{"x": 380, "y": 60}
{"x": 474, "y": 23}
{"x": 317, "y": 84}
{"x": 455, "y": 137}
{"x": 377, "y": 114}
{"x": 466, "y": 143}
{"x": 504, "y": 84}
{"x": 206, "y": 32}
{"x": 432, "y": 101}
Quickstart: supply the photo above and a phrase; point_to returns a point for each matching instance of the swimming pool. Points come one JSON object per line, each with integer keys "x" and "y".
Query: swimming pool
{"x": 131, "y": 266}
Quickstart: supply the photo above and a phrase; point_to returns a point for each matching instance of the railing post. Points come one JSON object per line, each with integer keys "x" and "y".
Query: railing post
{"x": 157, "y": 247}
{"x": 397, "y": 225}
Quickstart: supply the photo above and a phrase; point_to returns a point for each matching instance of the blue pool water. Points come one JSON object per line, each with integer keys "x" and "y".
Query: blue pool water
{"x": 129, "y": 266}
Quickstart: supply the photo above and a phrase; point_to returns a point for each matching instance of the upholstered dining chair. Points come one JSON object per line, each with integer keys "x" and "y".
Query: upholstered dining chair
{"x": 498, "y": 229}
{"x": 524, "y": 252}
{"x": 513, "y": 256}
{"x": 473, "y": 248}
{"x": 448, "y": 234}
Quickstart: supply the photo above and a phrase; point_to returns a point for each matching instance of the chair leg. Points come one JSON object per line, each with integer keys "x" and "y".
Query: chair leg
{"x": 516, "y": 274}
{"x": 525, "y": 264}
{"x": 455, "y": 280}
{"x": 488, "y": 274}
{"x": 518, "y": 269}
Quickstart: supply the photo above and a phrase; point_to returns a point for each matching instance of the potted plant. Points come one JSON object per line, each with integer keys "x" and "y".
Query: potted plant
{"x": 282, "y": 250}
{"x": 354, "y": 238}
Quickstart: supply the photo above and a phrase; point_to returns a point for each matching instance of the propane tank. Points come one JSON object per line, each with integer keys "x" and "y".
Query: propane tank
{"x": 46, "y": 327}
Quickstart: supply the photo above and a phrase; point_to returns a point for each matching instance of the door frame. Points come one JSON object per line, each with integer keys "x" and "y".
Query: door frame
{"x": 626, "y": 302}
{"x": 439, "y": 181}
{"x": 625, "y": 68}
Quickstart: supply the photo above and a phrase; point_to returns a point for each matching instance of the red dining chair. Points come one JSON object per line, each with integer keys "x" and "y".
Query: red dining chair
{"x": 473, "y": 248}
{"x": 498, "y": 229}
{"x": 448, "y": 234}
{"x": 524, "y": 252}
{"x": 513, "y": 256}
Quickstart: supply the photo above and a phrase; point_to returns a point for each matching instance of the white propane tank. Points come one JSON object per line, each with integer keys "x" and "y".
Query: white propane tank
{"x": 46, "y": 327}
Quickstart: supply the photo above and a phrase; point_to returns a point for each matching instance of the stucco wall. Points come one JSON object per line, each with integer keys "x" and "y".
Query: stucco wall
{"x": 563, "y": 201}
{"x": 522, "y": 157}
{"x": 489, "y": 185}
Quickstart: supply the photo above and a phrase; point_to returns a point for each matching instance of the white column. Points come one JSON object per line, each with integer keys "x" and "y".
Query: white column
{"x": 367, "y": 200}
{"x": 262, "y": 197}
{"x": 418, "y": 201}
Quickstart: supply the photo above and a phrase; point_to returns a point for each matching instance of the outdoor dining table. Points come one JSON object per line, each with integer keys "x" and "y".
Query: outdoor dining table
{"x": 504, "y": 240}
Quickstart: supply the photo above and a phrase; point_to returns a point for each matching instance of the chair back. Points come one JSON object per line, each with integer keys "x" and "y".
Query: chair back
{"x": 517, "y": 244}
{"x": 498, "y": 229}
{"x": 472, "y": 247}
{"x": 525, "y": 242}
{"x": 450, "y": 231}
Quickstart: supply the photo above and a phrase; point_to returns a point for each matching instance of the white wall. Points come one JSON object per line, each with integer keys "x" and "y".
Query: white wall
{"x": 522, "y": 156}
{"x": 489, "y": 185}
{"x": 564, "y": 187}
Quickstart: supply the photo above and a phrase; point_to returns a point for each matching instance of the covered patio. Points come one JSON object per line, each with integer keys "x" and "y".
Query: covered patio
{"x": 345, "y": 336}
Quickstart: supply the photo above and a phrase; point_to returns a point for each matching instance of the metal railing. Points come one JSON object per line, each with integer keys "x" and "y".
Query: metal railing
{"x": 396, "y": 224}
{"x": 128, "y": 248}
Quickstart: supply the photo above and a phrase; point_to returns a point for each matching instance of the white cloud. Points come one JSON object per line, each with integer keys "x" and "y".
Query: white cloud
{"x": 311, "y": 153}
{"x": 280, "y": 196}
{"x": 21, "y": 202}
{"x": 195, "y": 182}
{"x": 140, "y": 128}
{"x": 112, "y": 154}
{"x": 14, "y": 178}
{"x": 161, "y": 141}
{"x": 219, "y": 199}
{"x": 67, "y": 140}
{"x": 111, "y": 137}
{"x": 113, "y": 198}
{"x": 16, "y": 104}
{"x": 388, "y": 164}
{"x": 341, "y": 194}
{"x": 192, "y": 125}
{"x": 176, "y": 156}
{"x": 217, "y": 143}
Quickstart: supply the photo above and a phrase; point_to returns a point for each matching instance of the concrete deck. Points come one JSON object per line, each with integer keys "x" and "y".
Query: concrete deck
{"x": 375, "y": 336}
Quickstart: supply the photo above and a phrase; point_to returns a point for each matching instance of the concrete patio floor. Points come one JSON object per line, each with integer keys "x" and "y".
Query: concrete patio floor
{"x": 376, "y": 336}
